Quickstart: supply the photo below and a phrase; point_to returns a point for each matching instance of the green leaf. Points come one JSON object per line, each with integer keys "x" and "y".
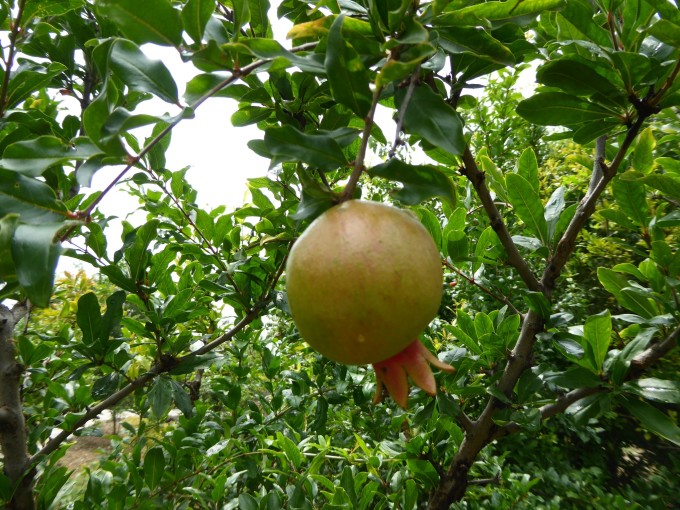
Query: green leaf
{"x": 643, "y": 155}
{"x": 97, "y": 113}
{"x": 113, "y": 315}
{"x": 241, "y": 13}
{"x": 653, "y": 420}
{"x": 150, "y": 21}
{"x": 632, "y": 67}
{"x": 476, "y": 41}
{"x": 420, "y": 182}
{"x": 290, "y": 144}
{"x": 496, "y": 11}
{"x": 597, "y": 333}
{"x": 154, "y": 466}
{"x": 137, "y": 255}
{"x": 538, "y": 303}
{"x": 33, "y": 157}
{"x": 559, "y": 109}
{"x": 105, "y": 386}
{"x": 576, "y": 377}
{"x": 574, "y": 78}
{"x": 554, "y": 209}
{"x": 89, "y": 317}
{"x": 29, "y": 79}
{"x": 651, "y": 388}
{"x": 141, "y": 73}
{"x": 347, "y": 76}
{"x": 527, "y": 206}
{"x": 429, "y": 116}
{"x": 35, "y": 253}
{"x": 160, "y": 397}
{"x": 666, "y": 31}
{"x": 631, "y": 198}
{"x": 259, "y": 19}
{"x": 8, "y": 225}
{"x": 250, "y": 114}
{"x": 247, "y": 502}
{"x": 182, "y": 399}
{"x": 33, "y": 200}
{"x": 669, "y": 186}
{"x": 195, "y": 16}
{"x": 527, "y": 167}
{"x": 291, "y": 450}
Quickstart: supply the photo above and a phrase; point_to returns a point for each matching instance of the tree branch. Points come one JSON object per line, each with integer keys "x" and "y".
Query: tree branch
{"x": 157, "y": 369}
{"x": 515, "y": 259}
{"x": 359, "y": 167}
{"x": 9, "y": 63}
{"x": 12, "y": 424}
{"x": 638, "y": 366}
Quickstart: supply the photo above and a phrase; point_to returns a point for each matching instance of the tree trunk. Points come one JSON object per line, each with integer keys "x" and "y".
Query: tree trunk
{"x": 12, "y": 424}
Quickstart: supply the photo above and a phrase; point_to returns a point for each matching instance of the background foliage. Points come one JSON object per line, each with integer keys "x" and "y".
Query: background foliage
{"x": 555, "y": 209}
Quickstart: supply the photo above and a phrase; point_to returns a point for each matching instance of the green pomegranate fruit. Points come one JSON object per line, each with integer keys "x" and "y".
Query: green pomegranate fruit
{"x": 363, "y": 281}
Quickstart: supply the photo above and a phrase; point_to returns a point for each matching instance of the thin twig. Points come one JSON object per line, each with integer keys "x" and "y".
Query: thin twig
{"x": 236, "y": 75}
{"x": 472, "y": 281}
{"x": 402, "y": 112}
{"x": 13, "y": 36}
{"x": 359, "y": 167}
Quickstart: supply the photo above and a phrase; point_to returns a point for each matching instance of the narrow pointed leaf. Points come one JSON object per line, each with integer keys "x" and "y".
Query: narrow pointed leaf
{"x": 290, "y": 144}
{"x": 35, "y": 254}
{"x": 347, "y": 76}
{"x": 148, "y": 21}
{"x": 528, "y": 206}
{"x": 428, "y": 116}
{"x": 139, "y": 72}
{"x": 420, "y": 182}
{"x": 597, "y": 333}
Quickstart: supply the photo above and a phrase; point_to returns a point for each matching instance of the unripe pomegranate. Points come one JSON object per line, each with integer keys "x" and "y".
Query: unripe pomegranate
{"x": 363, "y": 281}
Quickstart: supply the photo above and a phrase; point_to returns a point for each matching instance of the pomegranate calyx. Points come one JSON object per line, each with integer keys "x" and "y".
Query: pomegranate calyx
{"x": 414, "y": 361}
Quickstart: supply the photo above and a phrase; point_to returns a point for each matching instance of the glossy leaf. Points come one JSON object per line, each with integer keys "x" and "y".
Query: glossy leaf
{"x": 643, "y": 155}
{"x": 653, "y": 420}
{"x": 28, "y": 79}
{"x": 150, "y": 21}
{"x": 89, "y": 317}
{"x": 476, "y": 41}
{"x": 559, "y": 109}
{"x": 658, "y": 390}
{"x": 8, "y": 224}
{"x": 33, "y": 200}
{"x": 428, "y": 116}
{"x": 289, "y": 144}
{"x": 160, "y": 397}
{"x": 35, "y": 252}
{"x": 420, "y": 182}
{"x": 631, "y": 199}
{"x": 154, "y": 466}
{"x": 597, "y": 333}
{"x": 495, "y": 11}
{"x": 575, "y": 78}
{"x": 527, "y": 205}
{"x": 347, "y": 76}
{"x": 141, "y": 73}
{"x": 195, "y": 16}
{"x": 33, "y": 157}
{"x": 527, "y": 167}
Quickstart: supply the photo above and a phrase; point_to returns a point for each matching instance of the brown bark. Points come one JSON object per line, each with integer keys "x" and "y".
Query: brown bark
{"x": 12, "y": 423}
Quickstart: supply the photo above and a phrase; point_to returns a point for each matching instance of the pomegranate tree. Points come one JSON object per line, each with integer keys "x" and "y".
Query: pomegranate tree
{"x": 363, "y": 281}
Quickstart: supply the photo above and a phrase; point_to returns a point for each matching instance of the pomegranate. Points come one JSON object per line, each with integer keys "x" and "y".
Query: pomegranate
{"x": 363, "y": 281}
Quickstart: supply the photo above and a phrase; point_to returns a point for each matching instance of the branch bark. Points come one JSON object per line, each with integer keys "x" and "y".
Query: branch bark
{"x": 454, "y": 484}
{"x": 515, "y": 259}
{"x": 12, "y": 424}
